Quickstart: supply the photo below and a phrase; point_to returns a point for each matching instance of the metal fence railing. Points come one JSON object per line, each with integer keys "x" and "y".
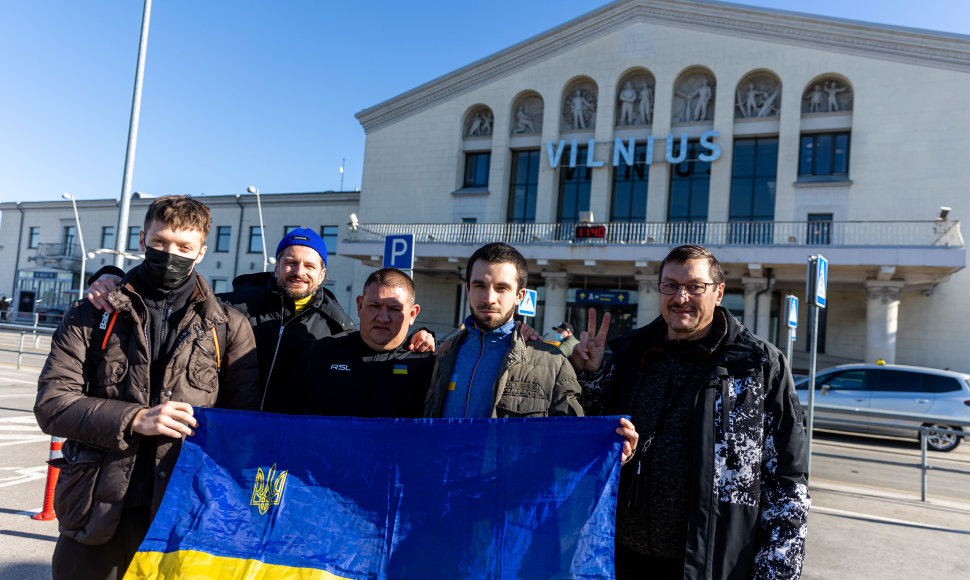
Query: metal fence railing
{"x": 924, "y": 431}
{"x": 923, "y": 233}
{"x": 9, "y": 338}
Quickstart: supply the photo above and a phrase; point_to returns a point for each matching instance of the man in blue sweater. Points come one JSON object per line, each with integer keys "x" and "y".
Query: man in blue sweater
{"x": 488, "y": 369}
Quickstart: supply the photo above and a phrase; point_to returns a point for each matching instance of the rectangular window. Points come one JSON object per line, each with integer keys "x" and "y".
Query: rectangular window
{"x": 753, "y": 180}
{"x": 223, "y": 238}
{"x": 329, "y": 235}
{"x": 132, "y": 245}
{"x": 574, "y": 188}
{"x": 630, "y": 188}
{"x": 70, "y": 239}
{"x": 819, "y": 229}
{"x": 288, "y": 229}
{"x": 255, "y": 240}
{"x": 476, "y": 169}
{"x": 690, "y": 186}
{"x": 108, "y": 237}
{"x": 220, "y": 285}
{"x": 824, "y": 154}
{"x": 523, "y": 186}
{"x": 33, "y": 238}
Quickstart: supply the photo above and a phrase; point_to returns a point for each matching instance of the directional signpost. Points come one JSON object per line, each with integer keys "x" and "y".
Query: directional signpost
{"x": 816, "y": 297}
{"x": 527, "y": 307}
{"x": 399, "y": 252}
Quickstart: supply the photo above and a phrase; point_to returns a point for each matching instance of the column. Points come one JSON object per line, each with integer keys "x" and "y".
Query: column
{"x": 753, "y": 302}
{"x": 648, "y": 299}
{"x": 882, "y": 319}
{"x": 555, "y": 305}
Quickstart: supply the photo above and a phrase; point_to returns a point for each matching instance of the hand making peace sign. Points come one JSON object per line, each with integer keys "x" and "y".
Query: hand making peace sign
{"x": 588, "y": 354}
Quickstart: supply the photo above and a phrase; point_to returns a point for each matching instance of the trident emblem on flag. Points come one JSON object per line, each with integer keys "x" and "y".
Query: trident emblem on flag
{"x": 268, "y": 488}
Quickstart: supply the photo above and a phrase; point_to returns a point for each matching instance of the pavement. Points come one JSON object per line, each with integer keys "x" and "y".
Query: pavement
{"x": 855, "y": 531}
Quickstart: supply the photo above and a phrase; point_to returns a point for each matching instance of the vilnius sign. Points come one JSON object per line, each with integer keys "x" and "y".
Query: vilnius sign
{"x": 625, "y": 151}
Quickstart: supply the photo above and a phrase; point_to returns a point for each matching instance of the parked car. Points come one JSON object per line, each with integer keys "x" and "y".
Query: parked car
{"x": 894, "y": 389}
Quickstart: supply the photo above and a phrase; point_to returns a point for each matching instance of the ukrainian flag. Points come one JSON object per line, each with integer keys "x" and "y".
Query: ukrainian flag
{"x": 257, "y": 495}
{"x": 400, "y": 369}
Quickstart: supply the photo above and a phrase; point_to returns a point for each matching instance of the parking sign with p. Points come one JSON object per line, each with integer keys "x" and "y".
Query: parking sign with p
{"x": 399, "y": 251}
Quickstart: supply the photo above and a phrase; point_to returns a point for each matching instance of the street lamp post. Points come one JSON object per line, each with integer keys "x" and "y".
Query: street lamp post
{"x": 121, "y": 239}
{"x": 80, "y": 238}
{"x": 262, "y": 231}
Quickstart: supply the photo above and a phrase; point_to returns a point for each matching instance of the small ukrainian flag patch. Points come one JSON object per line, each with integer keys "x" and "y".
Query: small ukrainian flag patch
{"x": 400, "y": 369}
{"x": 453, "y": 382}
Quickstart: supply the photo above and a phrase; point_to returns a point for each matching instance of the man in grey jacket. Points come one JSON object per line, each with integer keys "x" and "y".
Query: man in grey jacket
{"x": 488, "y": 369}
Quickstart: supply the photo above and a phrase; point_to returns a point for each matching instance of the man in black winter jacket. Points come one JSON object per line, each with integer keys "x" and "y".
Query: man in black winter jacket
{"x": 288, "y": 308}
{"x": 718, "y": 486}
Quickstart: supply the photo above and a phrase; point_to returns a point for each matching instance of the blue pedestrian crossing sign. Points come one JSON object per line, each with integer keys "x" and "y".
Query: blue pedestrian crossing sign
{"x": 818, "y": 278}
{"x": 527, "y": 307}
{"x": 792, "y": 309}
{"x": 399, "y": 251}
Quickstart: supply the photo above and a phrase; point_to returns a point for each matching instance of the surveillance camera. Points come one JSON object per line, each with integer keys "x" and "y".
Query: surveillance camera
{"x": 354, "y": 222}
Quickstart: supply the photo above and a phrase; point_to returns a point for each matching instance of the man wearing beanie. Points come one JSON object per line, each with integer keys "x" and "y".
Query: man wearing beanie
{"x": 288, "y": 308}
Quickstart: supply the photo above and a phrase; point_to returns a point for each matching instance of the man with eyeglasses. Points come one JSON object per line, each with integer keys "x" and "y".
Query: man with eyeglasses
{"x": 718, "y": 485}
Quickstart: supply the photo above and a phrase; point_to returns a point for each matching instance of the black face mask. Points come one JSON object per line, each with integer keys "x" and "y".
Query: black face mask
{"x": 167, "y": 271}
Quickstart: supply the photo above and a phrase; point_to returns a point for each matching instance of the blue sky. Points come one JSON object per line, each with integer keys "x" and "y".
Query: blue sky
{"x": 255, "y": 92}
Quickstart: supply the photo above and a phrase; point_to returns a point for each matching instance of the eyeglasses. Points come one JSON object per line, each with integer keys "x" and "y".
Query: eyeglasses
{"x": 692, "y": 288}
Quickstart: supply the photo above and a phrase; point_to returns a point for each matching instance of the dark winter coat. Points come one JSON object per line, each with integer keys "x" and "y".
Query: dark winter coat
{"x": 101, "y": 450}
{"x": 282, "y": 335}
{"x": 749, "y": 496}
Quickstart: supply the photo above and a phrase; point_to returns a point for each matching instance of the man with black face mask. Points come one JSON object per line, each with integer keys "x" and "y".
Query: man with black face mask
{"x": 288, "y": 308}
{"x": 120, "y": 387}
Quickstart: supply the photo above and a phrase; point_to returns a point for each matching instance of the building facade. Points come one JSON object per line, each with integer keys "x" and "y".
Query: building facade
{"x": 766, "y": 136}
{"x": 596, "y": 146}
{"x": 40, "y": 250}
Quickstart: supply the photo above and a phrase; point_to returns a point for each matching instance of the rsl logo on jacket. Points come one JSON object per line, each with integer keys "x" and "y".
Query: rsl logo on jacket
{"x": 268, "y": 488}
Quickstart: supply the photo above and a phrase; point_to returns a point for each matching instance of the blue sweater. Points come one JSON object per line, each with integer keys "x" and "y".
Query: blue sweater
{"x": 471, "y": 387}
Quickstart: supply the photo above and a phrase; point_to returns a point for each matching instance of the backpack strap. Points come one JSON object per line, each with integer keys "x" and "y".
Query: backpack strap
{"x": 96, "y": 346}
{"x": 219, "y": 338}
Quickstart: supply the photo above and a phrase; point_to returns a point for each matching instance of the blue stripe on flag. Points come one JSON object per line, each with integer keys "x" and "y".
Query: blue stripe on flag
{"x": 392, "y": 498}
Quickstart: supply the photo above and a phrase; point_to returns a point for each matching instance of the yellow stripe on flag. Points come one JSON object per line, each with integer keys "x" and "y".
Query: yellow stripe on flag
{"x": 193, "y": 564}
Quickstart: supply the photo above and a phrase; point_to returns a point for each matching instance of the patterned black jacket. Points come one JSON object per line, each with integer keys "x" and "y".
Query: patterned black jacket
{"x": 749, "y": 496}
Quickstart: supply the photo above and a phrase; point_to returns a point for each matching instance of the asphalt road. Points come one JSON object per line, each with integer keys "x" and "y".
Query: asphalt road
{"x": 866, "y": 522}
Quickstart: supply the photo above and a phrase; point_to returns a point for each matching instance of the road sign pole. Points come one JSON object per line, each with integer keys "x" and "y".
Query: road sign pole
{"x": 816, "y": 295}
{"x": 811, "y": 382}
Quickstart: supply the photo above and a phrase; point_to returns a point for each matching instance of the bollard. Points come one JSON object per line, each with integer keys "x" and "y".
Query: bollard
{"x": 48, "y": 512}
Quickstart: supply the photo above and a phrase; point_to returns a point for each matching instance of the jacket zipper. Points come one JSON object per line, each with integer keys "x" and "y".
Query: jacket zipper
{"x": 468, "y": 393}
{"x": 276, "y": 350}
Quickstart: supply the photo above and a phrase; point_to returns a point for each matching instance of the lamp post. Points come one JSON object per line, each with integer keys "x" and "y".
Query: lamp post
{"x": 262, "y": 231}
{"x": 80, "y": 238}
{"x": 121, "y": 240}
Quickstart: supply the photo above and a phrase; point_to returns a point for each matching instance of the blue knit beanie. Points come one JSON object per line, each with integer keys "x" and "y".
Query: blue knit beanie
{"x": 303, "y": 237}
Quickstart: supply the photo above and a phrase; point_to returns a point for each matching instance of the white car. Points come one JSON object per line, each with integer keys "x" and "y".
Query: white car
{"x": 894, "y": 389}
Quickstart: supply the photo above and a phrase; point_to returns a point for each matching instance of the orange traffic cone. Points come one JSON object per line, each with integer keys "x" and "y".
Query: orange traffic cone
{"x": 52, "y": 472}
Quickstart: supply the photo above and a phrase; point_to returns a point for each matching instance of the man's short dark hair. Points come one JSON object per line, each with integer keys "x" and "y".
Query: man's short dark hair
{"x": 180, "y": 212}
{"x": 500, "y": 253}
{"x": 392, "y": 278}
{"x": 689, "y": 252}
